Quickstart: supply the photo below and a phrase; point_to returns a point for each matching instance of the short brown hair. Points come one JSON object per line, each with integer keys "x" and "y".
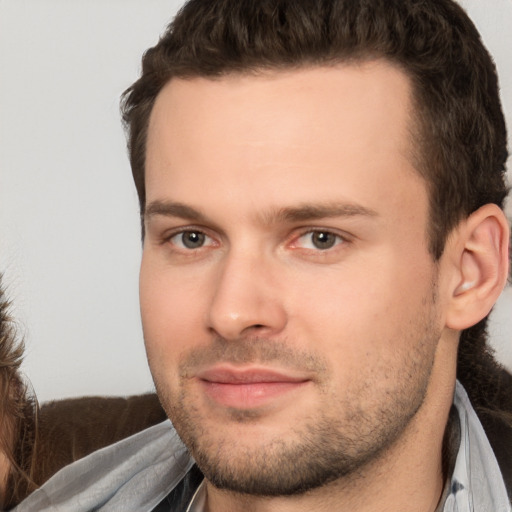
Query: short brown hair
{"x": 461, "y": 134}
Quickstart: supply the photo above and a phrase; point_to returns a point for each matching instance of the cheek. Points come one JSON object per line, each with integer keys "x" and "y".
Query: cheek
{"x": 171, "y": 313}
{"x": 341, "y": 297}
{"x": 360, "y": 308}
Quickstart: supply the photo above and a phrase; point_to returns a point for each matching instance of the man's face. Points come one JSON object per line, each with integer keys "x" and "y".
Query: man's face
{"x": 288, "y": 297}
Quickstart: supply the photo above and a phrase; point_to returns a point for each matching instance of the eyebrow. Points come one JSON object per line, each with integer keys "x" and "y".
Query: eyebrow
{"x": 318, "y": 211}
{"x": 300, "y": 213}
{"x": 173, "y": 209}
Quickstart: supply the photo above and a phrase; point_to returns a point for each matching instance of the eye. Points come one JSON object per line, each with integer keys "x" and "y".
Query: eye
{"x": 191, "y": 239}
{"x": 319, "y": 240}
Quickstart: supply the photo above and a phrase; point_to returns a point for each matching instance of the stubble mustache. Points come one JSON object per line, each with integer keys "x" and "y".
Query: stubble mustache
{"x": 252, "y": 351}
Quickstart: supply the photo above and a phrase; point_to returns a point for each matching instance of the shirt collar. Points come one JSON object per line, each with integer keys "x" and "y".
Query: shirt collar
{"x": 198, "y": 502}
{"x": 476, "y": 483}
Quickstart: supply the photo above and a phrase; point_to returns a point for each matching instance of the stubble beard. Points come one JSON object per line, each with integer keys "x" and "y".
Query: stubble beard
{"x": 336, "y": 444}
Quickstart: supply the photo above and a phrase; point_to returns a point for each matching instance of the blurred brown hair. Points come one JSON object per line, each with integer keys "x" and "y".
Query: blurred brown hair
{"x": 18, "y": 414}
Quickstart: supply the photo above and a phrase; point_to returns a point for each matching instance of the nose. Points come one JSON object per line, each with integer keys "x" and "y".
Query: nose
{"x": 246, "y": 299}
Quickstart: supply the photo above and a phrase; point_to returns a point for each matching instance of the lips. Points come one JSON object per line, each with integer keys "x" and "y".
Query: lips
{"x": 247, "y": 388}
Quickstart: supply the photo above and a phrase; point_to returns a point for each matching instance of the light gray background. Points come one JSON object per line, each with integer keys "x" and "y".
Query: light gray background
{"x": 69, "y": 231}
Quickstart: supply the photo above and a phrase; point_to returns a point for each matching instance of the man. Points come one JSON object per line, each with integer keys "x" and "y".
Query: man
{"x": 321, "y": 188}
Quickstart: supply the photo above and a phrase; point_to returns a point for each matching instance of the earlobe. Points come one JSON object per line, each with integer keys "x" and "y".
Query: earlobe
{"x": 481, "y": 256}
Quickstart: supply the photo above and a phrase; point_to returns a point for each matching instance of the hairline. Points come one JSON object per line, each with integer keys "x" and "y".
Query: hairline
{"x": 417, "y": 129}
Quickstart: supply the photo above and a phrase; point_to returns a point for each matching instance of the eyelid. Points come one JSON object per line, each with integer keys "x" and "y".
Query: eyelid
{"x": 171, "y": 233}
{"x": 343, "y": 237}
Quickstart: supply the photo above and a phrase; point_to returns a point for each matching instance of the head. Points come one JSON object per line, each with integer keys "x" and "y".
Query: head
{"x": 421, "y": 67}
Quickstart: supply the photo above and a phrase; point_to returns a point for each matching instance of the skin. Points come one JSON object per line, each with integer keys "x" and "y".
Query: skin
{"x": 5, "y": 463}
{"x": 5, "y": 467}
{"x": 243, "y": 169}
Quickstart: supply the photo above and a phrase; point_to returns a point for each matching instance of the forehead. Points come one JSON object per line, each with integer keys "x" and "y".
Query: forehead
{"x": 375, "y": 91}
{"x": 336, "y": 130}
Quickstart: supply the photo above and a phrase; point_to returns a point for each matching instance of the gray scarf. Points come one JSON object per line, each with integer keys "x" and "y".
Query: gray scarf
{"x": 135, "y": 474}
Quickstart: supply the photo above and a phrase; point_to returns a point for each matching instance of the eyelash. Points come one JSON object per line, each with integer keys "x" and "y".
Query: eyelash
{"x": 339, "y": 239}
{"x": 182, "y": 231}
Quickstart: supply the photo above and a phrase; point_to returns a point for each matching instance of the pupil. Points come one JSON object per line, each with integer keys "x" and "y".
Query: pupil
{"x": 323, "y": 240}
{"x": 193, "y": 239}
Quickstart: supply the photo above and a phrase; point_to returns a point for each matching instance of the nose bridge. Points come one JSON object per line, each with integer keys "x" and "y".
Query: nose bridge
{"x": 246, "y": 297}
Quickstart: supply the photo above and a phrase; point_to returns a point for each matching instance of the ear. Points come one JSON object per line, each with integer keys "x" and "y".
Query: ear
{"x": 479, "y": 252}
